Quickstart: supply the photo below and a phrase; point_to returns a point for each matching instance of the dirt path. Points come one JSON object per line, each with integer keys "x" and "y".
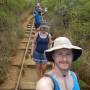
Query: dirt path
{"x": 13, "y": 72}
{"x": 25, "y": 19}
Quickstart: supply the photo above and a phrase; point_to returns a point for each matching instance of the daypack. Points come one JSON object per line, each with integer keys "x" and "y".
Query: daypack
{"x": 38, "y": 17}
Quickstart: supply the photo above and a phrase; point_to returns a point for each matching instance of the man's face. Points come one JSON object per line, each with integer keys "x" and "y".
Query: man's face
{"x": 63, "y": 58}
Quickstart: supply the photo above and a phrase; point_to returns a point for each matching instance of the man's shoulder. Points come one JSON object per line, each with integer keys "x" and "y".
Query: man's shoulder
{"x": 44, "y": 80}
{"x": 43, "y": 83}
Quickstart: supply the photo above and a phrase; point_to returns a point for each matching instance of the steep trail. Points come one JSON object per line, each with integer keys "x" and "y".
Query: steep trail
{"x": 22, "y": 72}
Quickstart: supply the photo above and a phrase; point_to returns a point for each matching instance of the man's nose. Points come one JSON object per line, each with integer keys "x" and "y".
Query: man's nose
{"x": 64, "y": 58}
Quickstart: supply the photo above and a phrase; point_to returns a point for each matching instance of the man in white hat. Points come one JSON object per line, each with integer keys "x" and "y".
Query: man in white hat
{"x": 63, "y": 53}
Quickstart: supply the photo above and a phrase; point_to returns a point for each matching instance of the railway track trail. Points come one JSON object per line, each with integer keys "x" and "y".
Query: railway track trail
{"x": 22, "y": 73}
{"x": 27, "y": 74}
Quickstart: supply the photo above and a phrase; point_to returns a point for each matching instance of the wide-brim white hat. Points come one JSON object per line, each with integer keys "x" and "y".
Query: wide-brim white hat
{"x": 63, "y": 42}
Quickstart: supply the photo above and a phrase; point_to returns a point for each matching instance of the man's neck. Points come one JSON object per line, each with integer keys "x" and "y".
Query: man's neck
{"x": 61, "y": 73}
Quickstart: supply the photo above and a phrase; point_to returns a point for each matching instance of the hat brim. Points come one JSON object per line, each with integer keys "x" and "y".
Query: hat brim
{"x": 77, "y": 51}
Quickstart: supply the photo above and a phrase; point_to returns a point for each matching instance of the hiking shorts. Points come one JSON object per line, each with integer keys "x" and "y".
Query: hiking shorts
{"x": 39, "y": 58}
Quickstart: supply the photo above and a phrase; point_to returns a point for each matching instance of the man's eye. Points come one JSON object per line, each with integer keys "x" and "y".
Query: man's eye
{"x": 69, "y": 54}
{"x": 59, "y": 54}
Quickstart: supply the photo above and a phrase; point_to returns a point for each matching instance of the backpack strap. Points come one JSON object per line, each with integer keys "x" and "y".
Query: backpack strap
{"x": 37, "y": 35}
{"x": 55, "y": 83}
{"x": 76, "y": 84}
{"x": 47, "y": 75}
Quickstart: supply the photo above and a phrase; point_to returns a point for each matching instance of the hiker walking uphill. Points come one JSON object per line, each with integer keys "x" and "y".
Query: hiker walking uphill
{"x": 63, "y": 54}
{"x": 37, "y": 16}
{"x": 42, "y": 41}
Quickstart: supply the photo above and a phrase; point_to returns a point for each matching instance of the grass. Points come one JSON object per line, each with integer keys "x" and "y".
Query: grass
{"x": 11, "y": 33}
{"x": 83, "y": 85}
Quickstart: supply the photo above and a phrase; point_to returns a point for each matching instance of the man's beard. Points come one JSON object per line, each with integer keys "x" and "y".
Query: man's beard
{"x": 63, "y": 71}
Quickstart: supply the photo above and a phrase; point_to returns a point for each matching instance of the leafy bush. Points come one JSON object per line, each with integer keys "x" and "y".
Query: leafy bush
{"x": 3, "y": 69}
{"x": 10, "y": 31}
{"x": 78, "y": 12}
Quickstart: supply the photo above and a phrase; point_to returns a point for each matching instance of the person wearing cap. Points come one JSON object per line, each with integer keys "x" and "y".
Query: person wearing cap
{"x": 42, "y": 41}
{"x": 63, "y": 54}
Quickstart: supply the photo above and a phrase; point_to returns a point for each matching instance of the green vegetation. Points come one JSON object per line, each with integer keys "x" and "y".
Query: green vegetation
{"x": 10, "y": 32}
{"x": 71, "y": 18}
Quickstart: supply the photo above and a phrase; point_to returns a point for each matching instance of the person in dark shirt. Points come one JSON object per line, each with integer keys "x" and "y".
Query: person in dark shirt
{"x": 41, "y": 42}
